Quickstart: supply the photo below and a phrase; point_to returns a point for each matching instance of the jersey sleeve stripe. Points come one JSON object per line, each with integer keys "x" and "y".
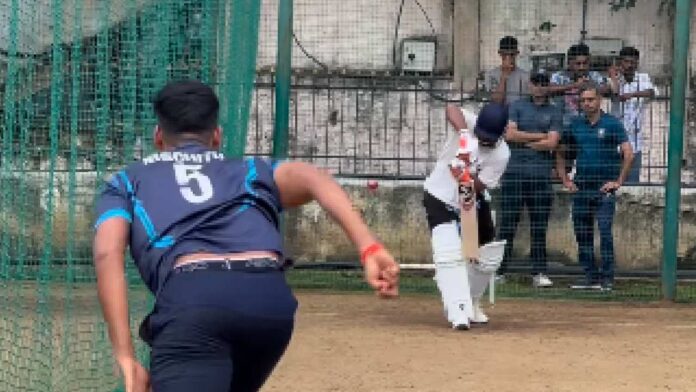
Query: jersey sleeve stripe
{"x": 113, "y": 213}
{"x": 142, "y": 215}
{"x": 164, "y": 242}
{"x": 250, "y": 176}
{"x": 126, "y": 182}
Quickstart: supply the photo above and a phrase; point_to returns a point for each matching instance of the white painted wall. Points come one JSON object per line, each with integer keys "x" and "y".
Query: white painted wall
{"x": 354, "y": 34}
{"x": 640, "y": 27}
{"x": 358, "y": 34}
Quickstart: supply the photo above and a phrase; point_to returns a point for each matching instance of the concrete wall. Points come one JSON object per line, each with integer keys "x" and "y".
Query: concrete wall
{"x": 403, "y": 131}
{"x": 395, "y": 213}
{"x": 355, "y": 34}
{"x": 643, "y": 27}
{"x": 359, "y": 34}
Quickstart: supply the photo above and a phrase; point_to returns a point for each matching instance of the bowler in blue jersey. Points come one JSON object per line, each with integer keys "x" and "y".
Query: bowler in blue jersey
{"x": 203, "y": 232}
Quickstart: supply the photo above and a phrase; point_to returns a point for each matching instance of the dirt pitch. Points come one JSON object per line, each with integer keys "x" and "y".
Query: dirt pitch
{"x": 353, "y": 342}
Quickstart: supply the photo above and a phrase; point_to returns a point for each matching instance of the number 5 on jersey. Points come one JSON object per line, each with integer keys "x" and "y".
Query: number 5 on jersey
{"x": 186, "y": 177}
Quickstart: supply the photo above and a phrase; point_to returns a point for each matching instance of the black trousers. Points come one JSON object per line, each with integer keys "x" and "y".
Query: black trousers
{"x": 219, "y": 331}
{"x": 438, "y": 212}
{"x": 535, "y": 194}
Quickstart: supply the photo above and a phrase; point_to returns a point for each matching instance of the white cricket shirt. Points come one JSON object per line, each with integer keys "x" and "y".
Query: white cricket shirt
{"x": 491, "y": 164}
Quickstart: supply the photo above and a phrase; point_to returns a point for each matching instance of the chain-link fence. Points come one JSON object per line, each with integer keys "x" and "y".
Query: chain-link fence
{"x": 77, "y": 83}
{"x": 371, "y": 83}
{"x": 370, "y": 86}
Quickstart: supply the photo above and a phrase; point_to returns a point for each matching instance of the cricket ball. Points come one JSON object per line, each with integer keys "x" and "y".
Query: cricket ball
{"x": 372, "y": 184}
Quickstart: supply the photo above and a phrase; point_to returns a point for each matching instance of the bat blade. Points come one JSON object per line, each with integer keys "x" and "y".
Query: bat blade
{"x": 469, "y": 221}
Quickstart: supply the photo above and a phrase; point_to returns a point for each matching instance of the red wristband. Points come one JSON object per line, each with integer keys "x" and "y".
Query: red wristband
{"x": 374, "y": 248}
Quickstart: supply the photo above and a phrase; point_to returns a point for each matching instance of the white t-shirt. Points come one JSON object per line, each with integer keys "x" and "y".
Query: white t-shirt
{"x": 631, "y": 111}
{"x": 491, "y": 164}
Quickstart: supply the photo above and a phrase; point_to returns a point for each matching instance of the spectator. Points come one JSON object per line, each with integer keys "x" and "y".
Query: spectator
{"x": 565, "y": 85}
{"x": 533, "y": 133}
{"x": 601, "y": 170}
{"x": 507, "y": 82}
{"x": 629, "y": 92}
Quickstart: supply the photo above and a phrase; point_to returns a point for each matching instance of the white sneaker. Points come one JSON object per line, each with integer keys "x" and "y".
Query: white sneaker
{"x": 461, "y": 325}
{"x": 479, "y": 317}
{"x": 541, "y": 280}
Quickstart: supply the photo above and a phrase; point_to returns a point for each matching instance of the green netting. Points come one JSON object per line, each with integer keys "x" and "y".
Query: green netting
{"x": 77, "y": 82}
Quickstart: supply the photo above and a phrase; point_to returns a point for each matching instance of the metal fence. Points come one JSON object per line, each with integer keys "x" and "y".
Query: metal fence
{"x": 391, "y": 128}
{"x": 362, "y": 106}
{"x": 386, "y": 126}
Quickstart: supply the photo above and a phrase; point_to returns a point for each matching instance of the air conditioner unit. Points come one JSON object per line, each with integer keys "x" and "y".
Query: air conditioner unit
{"x": 604, "y": 46}
{"x": 604, "y": 52}
{"x": 418, "y": 55}
{"x": 547, "y": 62}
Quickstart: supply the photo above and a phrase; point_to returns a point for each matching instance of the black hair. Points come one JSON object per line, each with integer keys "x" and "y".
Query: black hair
{"x": 578, "y": 50}
{"x": 508, "y": 43}
{"x": 589, "y": 86}
{"x": 540, "y": 79}
{"x": 186, "y": 106}
{"x": 629, "y": 51}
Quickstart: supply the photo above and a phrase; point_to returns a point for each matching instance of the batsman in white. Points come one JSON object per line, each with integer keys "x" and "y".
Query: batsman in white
{"x": 461, "y": 282}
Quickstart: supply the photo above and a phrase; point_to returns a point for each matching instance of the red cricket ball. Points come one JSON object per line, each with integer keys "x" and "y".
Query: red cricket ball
{"x": 372, "y": 184}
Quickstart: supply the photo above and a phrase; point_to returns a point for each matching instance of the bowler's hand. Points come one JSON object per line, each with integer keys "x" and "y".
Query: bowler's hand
{"x": 382, "y": 273}
{"x": 610, "y": 186}
{"x": 135, "y": 377}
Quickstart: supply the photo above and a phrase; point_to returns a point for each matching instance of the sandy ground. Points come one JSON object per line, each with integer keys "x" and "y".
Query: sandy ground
{"x": 348, "y": 342}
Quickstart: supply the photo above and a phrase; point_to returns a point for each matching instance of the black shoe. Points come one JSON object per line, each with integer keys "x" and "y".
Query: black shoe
{"x": 586, "y": 284}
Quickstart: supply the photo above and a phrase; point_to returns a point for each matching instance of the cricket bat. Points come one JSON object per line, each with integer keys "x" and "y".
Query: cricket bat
{"x": 468, "y": 217}
{"x": 467, "y": 197}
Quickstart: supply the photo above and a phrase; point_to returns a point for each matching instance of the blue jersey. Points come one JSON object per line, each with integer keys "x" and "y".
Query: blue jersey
{"x": 597, "y": 145}
{"x": 192, "y": 200}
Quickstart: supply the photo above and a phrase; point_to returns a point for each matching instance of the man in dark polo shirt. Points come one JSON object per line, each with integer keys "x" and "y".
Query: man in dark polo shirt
{"x": 533, "y": 133}
{"x": 604, "y": 158}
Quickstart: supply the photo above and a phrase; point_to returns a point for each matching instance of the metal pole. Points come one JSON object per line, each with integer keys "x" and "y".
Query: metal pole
{"x": 583, "y": 32}
{"x": 674, "y": 155}
{"x": 283, "y": 74}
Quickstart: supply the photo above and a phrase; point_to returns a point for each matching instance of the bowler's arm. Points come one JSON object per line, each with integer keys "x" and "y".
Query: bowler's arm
{"x": 109, "y": 246}
{"x": 299, "y": 183}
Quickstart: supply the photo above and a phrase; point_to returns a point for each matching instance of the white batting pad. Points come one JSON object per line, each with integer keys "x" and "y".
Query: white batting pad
{"x": 491, "y": 256}
{"x": 451, "y": 272}
{"x": 478, "y": 280}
